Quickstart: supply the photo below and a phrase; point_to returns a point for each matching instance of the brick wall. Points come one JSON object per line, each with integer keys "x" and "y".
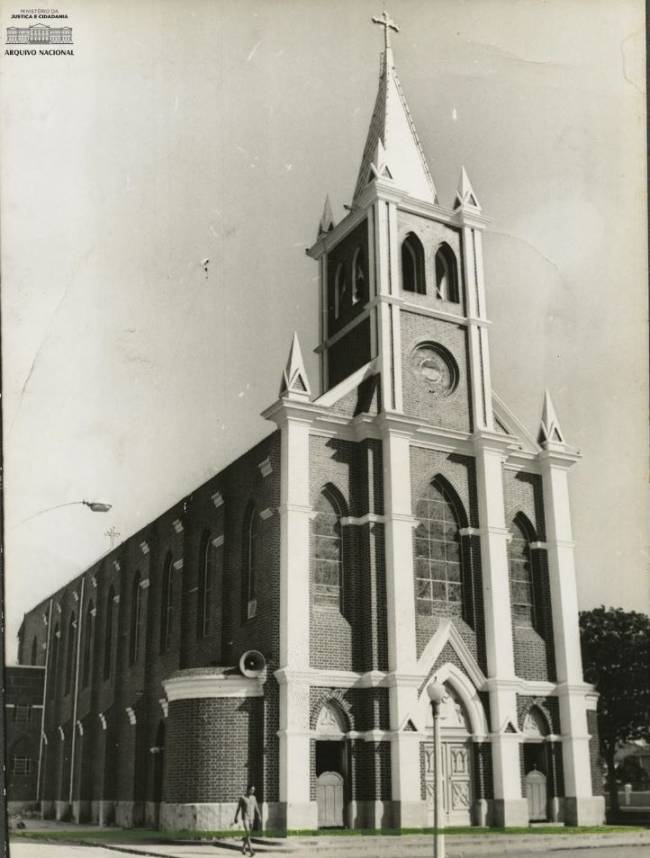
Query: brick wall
{"x": 214, "y": 747}
{"x": 453, "y": 411}
{"x": 594, "y": 753}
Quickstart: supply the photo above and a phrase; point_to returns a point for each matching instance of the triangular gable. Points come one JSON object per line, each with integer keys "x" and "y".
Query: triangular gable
{"x": 447, "y": 633}
{"x": 511, "y": 425}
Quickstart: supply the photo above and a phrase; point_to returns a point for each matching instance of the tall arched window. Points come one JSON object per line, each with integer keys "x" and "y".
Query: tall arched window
{"x": 413, "y": 265}
{"x": 328, "y": 552}
{"x": 438, "y": 562}
{"x": 136, "y": 619}
{"x": 340, "y": 290}
{"x": 522, "y": 583}
{"x": 446, "y": 274}
{"x": 55, "y": 655}
{"x": 108, "y": 633}
{"x": 205, "y": 586}
{"x": 252, "y": 558}
{"x": 34, "y": 653}
{"x": 89, "y": 636}
{"x": 71, "y": 640}
{"x": 167, "y": 604}
{"x": 358, "y": 276}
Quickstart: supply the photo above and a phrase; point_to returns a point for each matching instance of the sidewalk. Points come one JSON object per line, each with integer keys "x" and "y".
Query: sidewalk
{"x": 417, "y": 846}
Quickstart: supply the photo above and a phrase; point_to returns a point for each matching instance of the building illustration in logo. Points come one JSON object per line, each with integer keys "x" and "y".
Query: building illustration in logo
{"x": 39, "y": 34}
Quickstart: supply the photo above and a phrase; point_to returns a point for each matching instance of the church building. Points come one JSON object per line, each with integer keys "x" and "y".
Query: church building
{"x": 280, "y": 625}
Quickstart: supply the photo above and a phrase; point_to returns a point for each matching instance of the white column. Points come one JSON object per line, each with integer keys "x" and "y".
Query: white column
{"x": 405, "y": 746}
{"x": 555, "y": 462}
{"x": 510, "y": 807}
{"x": 385, "y": 251}
{"x": 294, "y": 623}
{"x": 479, "y": 355}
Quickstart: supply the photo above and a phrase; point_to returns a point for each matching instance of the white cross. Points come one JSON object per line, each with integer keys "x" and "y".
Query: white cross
{"x": 388, "y": 24}
{"x": 113, "y": 535}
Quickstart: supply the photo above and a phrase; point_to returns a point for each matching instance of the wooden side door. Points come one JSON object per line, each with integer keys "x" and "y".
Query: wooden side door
{"x": 329, "y": 799}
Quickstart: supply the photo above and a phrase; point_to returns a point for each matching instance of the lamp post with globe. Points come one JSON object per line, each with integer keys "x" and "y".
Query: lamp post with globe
{"x": 436, "y": 692}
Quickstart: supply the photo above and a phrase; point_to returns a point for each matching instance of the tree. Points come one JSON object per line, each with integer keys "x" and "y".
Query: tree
{"x": 616, "y": 659}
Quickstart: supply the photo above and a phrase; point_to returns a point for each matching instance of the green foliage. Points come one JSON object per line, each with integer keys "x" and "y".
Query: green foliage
{"x": 616, "y": 659}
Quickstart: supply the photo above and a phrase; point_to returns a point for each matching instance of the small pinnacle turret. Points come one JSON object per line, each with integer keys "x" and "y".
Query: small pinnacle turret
{"x": 295, "y": 384}
{"x": 550, "y": 431}
{"x": 327, "y": 218}
{"x": 465, "y": 195}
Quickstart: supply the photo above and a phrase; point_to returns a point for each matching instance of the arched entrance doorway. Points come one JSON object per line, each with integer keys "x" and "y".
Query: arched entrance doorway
{"x": 538, "y": 764}
{"x": 332, "y": 767}
{"x": 456, "y": 762}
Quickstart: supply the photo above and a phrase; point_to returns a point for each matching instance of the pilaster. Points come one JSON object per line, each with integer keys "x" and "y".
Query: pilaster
{"x": 479, "y": 356}
{"x": 386, "y": 282}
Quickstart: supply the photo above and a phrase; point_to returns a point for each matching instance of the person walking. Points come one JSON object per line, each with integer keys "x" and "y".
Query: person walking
{"x": 248, "y": 809}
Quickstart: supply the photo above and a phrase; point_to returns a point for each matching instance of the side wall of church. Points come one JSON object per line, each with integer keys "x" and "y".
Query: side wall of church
{"x": 120, "y": 707}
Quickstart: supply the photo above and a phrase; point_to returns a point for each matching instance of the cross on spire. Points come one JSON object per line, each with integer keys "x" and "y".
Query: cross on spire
{"x": 113, "y": 534}
{"x": 387, "y": 23}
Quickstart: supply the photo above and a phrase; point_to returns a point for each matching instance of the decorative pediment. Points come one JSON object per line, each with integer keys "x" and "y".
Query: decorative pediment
{"x": 330, "y": 721}
{"x": 508, "y": 423}
{"x": 448, "y": 633}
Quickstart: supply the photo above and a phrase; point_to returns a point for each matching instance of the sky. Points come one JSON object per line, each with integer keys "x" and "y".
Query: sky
{"x": 188, "y": 130}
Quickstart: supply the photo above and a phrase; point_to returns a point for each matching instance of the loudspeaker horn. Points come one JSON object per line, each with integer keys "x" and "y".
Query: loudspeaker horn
{"x": 252, "y": 663}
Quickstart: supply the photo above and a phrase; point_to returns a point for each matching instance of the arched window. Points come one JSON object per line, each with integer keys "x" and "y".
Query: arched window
{"x": 167, "y": 604}
{"x": 252, "y": 559}
{"x": 328, "y": 552}
{"x": 70, "y": 652}
{"x": 108, "y": 633}
{"x": 34, "y": 653}
{"x": 206, "y": 585}
{"x": 446, "y": 274}
{"x": 358, "y": 276}
{"x": 522, "y": 583}
{"x": 438, "y": 562}
{"x": 136, "y": 619}
{"x": 340, "y": 290}
{"x": 89, "y": 636}
{"x": 413, "y": 265}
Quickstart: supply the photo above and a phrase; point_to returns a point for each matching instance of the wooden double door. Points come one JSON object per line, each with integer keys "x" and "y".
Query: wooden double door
{"x": 457, "y": 788}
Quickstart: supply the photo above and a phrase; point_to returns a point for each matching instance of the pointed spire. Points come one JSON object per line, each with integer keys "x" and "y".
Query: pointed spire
{"x": 465, "y": 196}
{"x": 295, "y": 384}
{"x": 550, "y": 431}
{"x": 327, "y": 218}
{"x": 392, "y": 126}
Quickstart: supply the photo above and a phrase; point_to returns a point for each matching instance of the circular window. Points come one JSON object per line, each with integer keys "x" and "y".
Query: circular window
{"x": 435, "y": 369}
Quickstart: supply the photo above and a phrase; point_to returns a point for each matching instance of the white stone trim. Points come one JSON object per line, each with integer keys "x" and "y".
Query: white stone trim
{"x": 93, "y": 612}
{"x": 61, "y": 732}
{"x": 116, "y": 564}
{"x": 58, "y": 607}
{"x": 469, "y": 531}
{"x": 178, "y": 564}
{"x": 177, "y": 524}
{"x": 265, "y": 467}
{"x": 538, "y": 546}
{"x": 44, "y": 619}
{"x": 266, "y": 513}
{"x": 80, "y": 728}
{"x": 368, "y": 518}
{"x": 331, "y": 397}
{"x": 116, "y": 599}
{"x": 130, "y": 714}
{"x": 202, "y": 684}
{"x": 145, "y": 583}
{"x": 164, "y": 705}
{"x": 448, "y": 633}
{"x": 75, "y": 595}
{"x": 217, "y": 499}
{"x": 144, "y": 547}
{"x": 93, "y": 581}
{"x": 102, "y": 720}
{"x": 218, "y": 541}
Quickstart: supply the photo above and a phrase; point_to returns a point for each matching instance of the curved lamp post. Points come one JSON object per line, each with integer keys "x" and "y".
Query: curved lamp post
{"x": 94, "y": 505}
{"x": 437, "y": 694}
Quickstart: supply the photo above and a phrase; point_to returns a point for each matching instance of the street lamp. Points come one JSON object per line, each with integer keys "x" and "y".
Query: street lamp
{"x": 93, "y": 505}
{"x": 437, "y": 693}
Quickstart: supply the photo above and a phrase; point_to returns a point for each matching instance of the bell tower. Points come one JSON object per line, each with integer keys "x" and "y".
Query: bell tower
{"x": 401, "y": 280}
